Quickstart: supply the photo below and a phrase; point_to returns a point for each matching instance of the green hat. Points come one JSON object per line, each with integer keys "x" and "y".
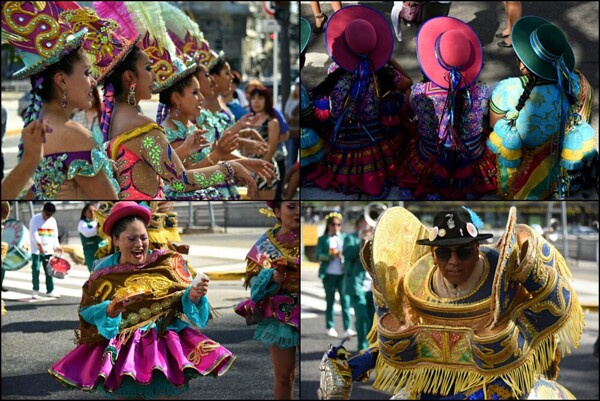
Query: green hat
{"x": 304, "y": 33}
{"x": 540, "y": 46}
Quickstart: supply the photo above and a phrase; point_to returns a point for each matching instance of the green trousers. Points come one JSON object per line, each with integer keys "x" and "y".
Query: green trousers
{"x": 362, "y": 303}
{"x": 333, "y": 283}
{"x": 35, "y": 272}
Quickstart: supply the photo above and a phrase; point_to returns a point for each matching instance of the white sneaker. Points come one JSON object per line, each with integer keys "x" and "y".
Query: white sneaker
{"x": 35, "y": 295}
{"x": 53, "y": 294}
{"x": 349, "y": 333}
{"x": 332, "y": 333}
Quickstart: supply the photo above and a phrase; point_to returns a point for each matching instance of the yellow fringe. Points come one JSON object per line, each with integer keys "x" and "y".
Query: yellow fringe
{"x": 438, "y": 379}
{"x": 159, "y": 236}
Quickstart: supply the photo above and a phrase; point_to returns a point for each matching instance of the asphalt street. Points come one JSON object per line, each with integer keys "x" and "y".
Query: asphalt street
{"x": 578, "y": 371}
{"x": 578, "y": 20}
{"x": 37, "y": 333}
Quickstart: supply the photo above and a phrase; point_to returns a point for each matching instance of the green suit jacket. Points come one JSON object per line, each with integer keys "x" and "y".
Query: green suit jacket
{"x": 323, "y": 255}
{"x": 354, "y": 273}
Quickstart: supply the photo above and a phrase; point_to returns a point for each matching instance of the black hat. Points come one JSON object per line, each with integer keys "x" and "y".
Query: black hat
{"x": 454, "y": 227}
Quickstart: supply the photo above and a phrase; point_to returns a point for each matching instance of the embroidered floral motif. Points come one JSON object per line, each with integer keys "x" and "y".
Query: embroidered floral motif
{"x": 177, "y": 186}
{"x": 216, "y": 178}
{"x": 154, "y": 151}
{"x": 48, "y": 177}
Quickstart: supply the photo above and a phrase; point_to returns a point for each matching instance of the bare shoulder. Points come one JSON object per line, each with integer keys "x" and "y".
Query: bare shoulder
{"x": 75, "y": 137}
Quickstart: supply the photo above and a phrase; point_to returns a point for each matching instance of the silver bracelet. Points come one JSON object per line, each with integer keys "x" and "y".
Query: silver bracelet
{"x": 230, "y": 173}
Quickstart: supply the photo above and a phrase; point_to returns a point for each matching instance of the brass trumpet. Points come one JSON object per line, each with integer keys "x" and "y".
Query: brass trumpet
{"x": 372, "y": 212}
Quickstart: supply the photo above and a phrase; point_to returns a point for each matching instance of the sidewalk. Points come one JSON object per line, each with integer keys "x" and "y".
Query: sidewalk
{"x": 579, "y": 21}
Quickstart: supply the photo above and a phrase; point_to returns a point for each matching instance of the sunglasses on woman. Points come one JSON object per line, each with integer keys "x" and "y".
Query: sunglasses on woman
{"x": 462, "y": 253}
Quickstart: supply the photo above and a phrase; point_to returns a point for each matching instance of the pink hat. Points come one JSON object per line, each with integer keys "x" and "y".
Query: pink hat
{"x": 123, "y": 209}
{"x": 359, "y": 30}
{"x": 446, "y": 44}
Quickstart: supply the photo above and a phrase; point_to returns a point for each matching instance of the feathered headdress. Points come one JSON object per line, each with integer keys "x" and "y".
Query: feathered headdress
{"x": 105, "y": 47}
{"x": 184, "y": 32}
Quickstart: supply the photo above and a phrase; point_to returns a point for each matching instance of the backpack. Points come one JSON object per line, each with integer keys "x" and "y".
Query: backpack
{"x": 411, "y": 12}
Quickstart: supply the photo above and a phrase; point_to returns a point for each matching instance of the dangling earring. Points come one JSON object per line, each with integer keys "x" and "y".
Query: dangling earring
{"x": 63, "y": 101}
{"x": 131, "y": 96}
{"x": 177, "y": 111}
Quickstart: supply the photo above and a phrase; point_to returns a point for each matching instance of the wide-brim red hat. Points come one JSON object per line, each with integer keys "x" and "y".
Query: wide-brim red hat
{"x": 124, "y": 209}
{"x": 445, "y": 42}
{"x": 369, "y": 33}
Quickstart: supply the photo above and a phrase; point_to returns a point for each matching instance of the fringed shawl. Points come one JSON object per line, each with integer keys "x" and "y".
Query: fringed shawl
{"x": 164, "y": 278}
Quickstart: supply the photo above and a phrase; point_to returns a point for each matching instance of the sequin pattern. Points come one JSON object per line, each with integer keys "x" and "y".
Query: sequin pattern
{"x": 154, "y": 152}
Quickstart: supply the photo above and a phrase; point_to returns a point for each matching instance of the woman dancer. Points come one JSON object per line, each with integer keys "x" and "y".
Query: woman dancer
{"x": 273, "y": 275}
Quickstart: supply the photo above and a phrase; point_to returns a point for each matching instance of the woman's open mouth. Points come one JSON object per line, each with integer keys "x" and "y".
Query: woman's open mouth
{"x": 138, "y": 255}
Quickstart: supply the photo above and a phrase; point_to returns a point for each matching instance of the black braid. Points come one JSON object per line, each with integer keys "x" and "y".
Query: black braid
{"x": 531, "y": 83}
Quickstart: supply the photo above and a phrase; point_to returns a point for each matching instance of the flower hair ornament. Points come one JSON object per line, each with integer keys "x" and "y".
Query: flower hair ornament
{"x": 334, "y": 215}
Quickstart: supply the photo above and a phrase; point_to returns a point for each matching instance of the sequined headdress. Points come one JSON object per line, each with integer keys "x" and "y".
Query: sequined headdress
{"x": 184, "y": 32}
{"x": 40, "y": 38}
{"x": 105, "y": 47}
{"x": 156, "y": 43}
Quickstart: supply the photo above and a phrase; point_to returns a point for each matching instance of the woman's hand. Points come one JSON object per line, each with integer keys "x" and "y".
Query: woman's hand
{"x": 262, "y": 168}
{"x": 194, "y": 142}
{"x": 227, "y": 143}
{"x": 279, "y": 277}
{"x": 34, "y": 136}
{"x": 247, "y": 120}
{"x": 115, "y": 307}
{"x": 254, "y": 147}
{"x": 242, "y": 174}
{"x": 199, "y": 290}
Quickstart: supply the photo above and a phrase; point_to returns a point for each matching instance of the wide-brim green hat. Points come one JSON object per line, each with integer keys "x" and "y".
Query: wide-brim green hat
{"x": 538, "y": 43}
{"x": 304, "y": 33}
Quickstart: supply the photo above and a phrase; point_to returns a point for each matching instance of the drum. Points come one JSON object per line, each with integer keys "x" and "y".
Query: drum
{"x": 58, "y": 267}
{"x": 16, "y": 235}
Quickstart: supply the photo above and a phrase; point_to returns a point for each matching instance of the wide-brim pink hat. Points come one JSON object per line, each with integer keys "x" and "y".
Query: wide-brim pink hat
{"x": 444, "y": 43}
{"x": 124, "y": 209}
{"x": 358, "y": 29}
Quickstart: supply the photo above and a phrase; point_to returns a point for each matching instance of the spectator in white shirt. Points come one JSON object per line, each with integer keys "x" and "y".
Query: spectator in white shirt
{"x": 43, "y": 232}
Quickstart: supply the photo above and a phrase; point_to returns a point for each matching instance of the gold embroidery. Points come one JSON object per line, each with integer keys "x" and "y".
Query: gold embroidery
{"x": 203, "y": 348}
{"x": 103, "y": 291}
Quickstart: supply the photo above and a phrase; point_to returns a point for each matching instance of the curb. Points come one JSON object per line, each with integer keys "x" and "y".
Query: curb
{"x": 13, "y": 131}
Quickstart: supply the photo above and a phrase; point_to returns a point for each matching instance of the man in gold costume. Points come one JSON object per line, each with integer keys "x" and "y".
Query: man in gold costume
{"x": 458, "y": 318}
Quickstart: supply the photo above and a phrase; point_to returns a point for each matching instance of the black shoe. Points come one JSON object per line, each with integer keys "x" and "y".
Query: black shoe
{"x": 318, "y": 29}
{"x": 501, "y": 35}
{"x": 504, "y": 44}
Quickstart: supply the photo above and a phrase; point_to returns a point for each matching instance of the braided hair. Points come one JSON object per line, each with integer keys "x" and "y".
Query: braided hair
{"x": 113, "y": 87}
{"x": 42, "y": 88}
{"x": 532, "y": 81}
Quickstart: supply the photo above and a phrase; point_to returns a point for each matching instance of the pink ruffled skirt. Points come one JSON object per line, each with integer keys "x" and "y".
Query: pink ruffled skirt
{"x": 176, "y": 356}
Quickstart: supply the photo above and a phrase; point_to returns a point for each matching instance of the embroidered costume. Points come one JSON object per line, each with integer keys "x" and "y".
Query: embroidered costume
{"x": 544, "y": 143}
{"x": 225, "y": 191}
{"x": 152, "y": 349}
{"x": 527, "y": 142}
{"x": 275, "y": 308}
{"x": 503, "y": 339}
{"x": 360, "y": 146}
{"x": 55, "y": 176}
{"x": 432, "y": 165}
{"x": 154, "y": 163}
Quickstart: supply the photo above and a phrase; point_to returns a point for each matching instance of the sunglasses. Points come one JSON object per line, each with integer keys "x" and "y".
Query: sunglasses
{"x": 335, "y": 224}
{"x": 462, "y": 253}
